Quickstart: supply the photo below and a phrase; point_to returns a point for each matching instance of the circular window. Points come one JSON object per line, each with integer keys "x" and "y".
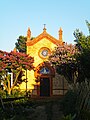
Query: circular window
{"x": 44, "y": 52}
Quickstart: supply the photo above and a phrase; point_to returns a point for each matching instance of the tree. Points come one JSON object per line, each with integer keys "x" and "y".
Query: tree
{"x": 72, "y": 61}
{"x": 75, "y": 66}
{"x": 88, "y": 25}
{"x": 14, "y": 62}
{"x": 83, "y": 45}
{"x": 21, "y": 44}
{"x": 63, "y": 58}
{"x": 83, "y": 58}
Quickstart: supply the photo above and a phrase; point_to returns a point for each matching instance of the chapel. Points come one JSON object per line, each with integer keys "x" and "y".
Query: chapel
{"x": 43, "y": 80}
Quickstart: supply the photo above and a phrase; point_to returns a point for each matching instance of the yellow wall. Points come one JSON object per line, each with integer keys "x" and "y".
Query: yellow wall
{"x": 33, "y": 48}
{"x": 33, "y": 51}
{"x": 30, "y": 79}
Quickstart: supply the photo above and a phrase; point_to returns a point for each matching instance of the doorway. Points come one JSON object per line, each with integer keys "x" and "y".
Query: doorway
{"x": 44, "y": 87}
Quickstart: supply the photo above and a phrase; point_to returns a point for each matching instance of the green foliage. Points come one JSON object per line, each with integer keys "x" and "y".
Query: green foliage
{"x": 68, "y": 117}
{"x": 88, "y": 25}
{"x": 17, "y": 93}
{"x": 30, "y": 109}
{"x": 21, "y": 44}
{"x": 15, "y": 63}
{"x": 82, "y": 41}
{"x": 83, "y": 57}
{"x": 3, "y": 93}
{"x": 84, "y": 115}
{"x": 77, "y": 101}
{"x": 72, "y": 61}
{"x": 84, "y": 63}
{"x": 64, "y": 60}
{"x": 68, "y": 103}
{"x": 75, "y": 67}
{"x": 83, "y": 101}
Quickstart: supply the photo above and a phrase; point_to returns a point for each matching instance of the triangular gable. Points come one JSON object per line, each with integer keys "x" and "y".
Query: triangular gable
{"x": 41, "y": 36}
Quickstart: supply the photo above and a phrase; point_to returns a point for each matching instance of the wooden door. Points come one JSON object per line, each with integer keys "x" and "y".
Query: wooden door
{"x": 44, "y": 87}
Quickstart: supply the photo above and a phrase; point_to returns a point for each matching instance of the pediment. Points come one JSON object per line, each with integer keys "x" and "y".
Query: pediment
{"x": 41, "y": 36}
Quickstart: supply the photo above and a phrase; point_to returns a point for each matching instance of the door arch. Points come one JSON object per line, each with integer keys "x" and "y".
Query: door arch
{"x": 47, "y": 66}
{"x": 44, "y": 73}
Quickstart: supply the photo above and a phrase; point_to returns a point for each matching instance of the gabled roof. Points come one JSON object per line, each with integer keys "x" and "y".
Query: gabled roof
{"x": 44, "y": 34}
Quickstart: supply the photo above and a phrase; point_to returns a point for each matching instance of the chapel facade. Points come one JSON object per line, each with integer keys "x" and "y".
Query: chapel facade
{"x": 43, "y": 80}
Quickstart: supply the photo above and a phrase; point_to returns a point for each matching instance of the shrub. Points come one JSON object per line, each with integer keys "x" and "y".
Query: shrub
{"x": 68, "y": 103}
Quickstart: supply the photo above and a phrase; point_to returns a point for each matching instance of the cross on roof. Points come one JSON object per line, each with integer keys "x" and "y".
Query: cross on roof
{"x": 44, "y": 25}
{"x": 44, "y": 29}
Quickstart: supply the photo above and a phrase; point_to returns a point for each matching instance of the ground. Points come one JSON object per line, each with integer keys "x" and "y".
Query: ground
{"x": 35, "y": 109}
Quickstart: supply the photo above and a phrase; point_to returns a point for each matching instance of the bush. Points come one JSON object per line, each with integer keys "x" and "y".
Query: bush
{"x": 69, "y": 117}
{"x": 3, "y": 93}
{"x": 17, "y": 93}
{"x": 68, "y": 103}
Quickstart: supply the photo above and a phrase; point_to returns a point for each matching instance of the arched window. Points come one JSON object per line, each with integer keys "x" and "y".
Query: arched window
{"x": 44, "y": 70}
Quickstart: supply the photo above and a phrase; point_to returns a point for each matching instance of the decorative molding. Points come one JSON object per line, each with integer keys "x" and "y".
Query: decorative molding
{"x": 42, "y": 65}
{"x": 41, "y": 55}
{"x": 41, "y": 36}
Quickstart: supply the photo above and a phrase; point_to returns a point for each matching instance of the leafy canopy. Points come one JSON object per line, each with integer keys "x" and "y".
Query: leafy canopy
{"x": 73, "y": 61}
{"x": 14, "y": 62}
{"x": 20, "y": 45}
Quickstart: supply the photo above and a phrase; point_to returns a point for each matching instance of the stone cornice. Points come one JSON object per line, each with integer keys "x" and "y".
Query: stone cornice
{"x": 41, "y": 36}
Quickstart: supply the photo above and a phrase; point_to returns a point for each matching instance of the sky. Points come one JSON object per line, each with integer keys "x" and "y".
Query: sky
{"x": 17, "y": 15}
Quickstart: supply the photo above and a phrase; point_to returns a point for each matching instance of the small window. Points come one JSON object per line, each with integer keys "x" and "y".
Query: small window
{"x": 44, "y": 71}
